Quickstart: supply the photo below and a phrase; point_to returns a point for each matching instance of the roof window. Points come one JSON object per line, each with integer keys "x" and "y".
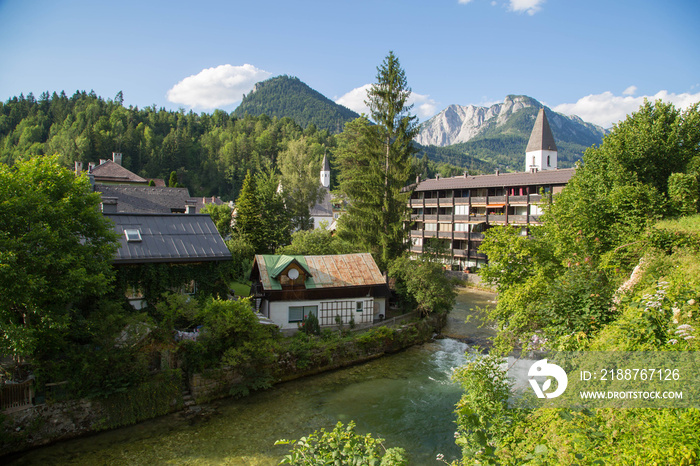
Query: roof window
{"x": 132, "y": 235}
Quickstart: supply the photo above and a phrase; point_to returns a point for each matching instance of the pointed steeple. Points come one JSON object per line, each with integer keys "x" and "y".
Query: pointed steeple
{"x": 325, "y": 172}
{"x": 541, "y": 152}
{"x": 541, "y": 137}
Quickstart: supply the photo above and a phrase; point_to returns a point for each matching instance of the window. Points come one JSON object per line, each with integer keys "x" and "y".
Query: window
{"x": 358, "y": 306}
{"x": 299, "y": 313}
{"x": 132, "y": 235}
{"x": 548, "y": 163}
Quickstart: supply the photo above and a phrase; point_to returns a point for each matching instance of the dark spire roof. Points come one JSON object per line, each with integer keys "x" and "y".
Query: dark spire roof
{"x": 541, "y": 137}
{"x": 326, "y": 164}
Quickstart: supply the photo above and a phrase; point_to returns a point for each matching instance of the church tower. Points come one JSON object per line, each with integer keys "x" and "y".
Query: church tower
{"x": 541, "y": 152}
{"x": 326, "y": 172}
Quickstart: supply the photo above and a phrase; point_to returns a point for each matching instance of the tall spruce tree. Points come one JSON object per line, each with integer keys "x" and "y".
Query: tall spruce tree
{"x": 376, "y": 165}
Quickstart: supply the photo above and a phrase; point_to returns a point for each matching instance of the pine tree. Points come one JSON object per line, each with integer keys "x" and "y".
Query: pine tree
{"x": 386, "y": 150}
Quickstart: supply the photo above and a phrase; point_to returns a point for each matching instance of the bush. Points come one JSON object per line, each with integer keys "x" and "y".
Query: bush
{"x": 341, "y": 446}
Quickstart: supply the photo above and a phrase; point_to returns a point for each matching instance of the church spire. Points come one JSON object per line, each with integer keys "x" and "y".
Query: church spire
{"x": 325, "y": 172}
{"x": 541, "y": 152}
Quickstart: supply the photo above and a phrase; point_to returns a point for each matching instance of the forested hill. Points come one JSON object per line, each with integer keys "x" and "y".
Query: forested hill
{"x": 285, "y": 96}
{"x": 211, "y": 153}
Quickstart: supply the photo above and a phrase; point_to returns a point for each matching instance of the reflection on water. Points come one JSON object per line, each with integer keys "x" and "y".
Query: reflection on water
{"x": 406, "y": 398}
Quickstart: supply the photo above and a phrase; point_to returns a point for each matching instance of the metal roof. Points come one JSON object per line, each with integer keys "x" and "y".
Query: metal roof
{"x": 540, "y": 178}
{"x": 168, "y": 238}
{"x": 329, "y": 271}
{"x": 541, "y": 137}
{"x": 146, "y": 199}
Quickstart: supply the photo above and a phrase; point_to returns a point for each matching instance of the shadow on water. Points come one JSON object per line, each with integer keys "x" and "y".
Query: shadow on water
{"x": 407, "y": 398}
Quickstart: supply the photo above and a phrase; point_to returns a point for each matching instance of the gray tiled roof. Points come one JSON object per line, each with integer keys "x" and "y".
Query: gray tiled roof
{"x": 541, "y": 137}
{"x": 543, "y": 177}
{"x": 173, "y": 238}
{"x": 111, "y": 172}
{"x": 146, "y": 199}
{"x": 324, "y": 208}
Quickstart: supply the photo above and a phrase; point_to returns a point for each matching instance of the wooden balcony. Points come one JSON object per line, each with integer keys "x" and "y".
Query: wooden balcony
{"x": 476, "y": 236}
{"x": 446, "y": 202}
{"x": 445, "y": 234}
{"x": 462, "y": 218}
{"x": 478, "y": 200}
{"x": 416, "y": 203}
{"x": 517, "y": 219}
{"x": 498, "y": 219}
{"x": 497, "y": 199}
{"x": 461, "y": 200}
{"x": 459, "y": 252}
{"x": 417, "y": 249}
{"x": 416, "y": 233}
{"x": 535, "y": 219}
{"x": 517, "y": 200}
{"x": 429, "y": 234}
{"x": 431, "y": 202}
{"x": 477, "y": 218}
{"x": 430, "y": 218}
{"x": 535, "y": 198}
{"x": 461, "y": 235}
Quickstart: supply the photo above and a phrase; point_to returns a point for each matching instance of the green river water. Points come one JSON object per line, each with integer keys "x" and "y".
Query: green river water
{"x": 406, "y": 398}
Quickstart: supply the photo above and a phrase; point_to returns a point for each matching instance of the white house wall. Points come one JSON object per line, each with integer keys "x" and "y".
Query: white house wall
{"x": 279, "y": 311}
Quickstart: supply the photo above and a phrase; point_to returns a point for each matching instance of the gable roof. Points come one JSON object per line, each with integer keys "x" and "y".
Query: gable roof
{"x": 541, "y": 137}
{"x": 110, "y": 172}
{"x": 176, "y": 238}
{"x": 329, "y": 271}
{"x": 545, "y": 177}
{"x": 323, "y": 208}
{"x": 146, "y": 199}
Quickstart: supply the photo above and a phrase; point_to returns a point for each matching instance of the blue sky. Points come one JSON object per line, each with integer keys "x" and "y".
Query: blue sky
{"x": 595, "y": 59}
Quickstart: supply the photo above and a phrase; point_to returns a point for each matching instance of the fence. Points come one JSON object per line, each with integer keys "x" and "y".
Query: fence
{"x": 16, "y": 396}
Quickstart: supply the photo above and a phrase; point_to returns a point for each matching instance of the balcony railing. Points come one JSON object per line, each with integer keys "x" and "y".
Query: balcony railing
{"x": 476, "y": 236}
{"x": 461, "y": 201}
{"x": 461, "y": 235}
{"x": 431, "y": 202}
{"x": 477, "y": 218}
{"x": 517, "y": 219}
{"x": 497, "y": 199}
{"x": 430, "y": 234}
{"x": 517, "y": 200}
{"x": 478, "y": 200}
{"x": 461, "y": 218}
{"x": 459, "y": 252}
{"x": 430, "y": 218}
{"x": 444, "y": 234}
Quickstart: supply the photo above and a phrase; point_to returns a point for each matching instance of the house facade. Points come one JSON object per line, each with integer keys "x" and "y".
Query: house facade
{"x": 336, "y": 288}
{"x": 450, "y": 215}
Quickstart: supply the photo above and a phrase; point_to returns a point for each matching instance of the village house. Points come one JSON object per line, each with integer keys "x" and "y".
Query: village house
{"x": 172, "y": 239}
{"x": 452, "y": 213}
{"x": 341, "y": 288}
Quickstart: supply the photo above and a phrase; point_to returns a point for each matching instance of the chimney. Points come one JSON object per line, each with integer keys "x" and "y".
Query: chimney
{"x": 498, "y": 172}
{"x": 117, "y": 158}
{"x": 78, "y": 168}
{"x": 417, "y": 179}
{"x": 109, "y": 205}
{"x": 102, "y": 161}
{"x": 191, "y": 206}
{"x": 466, "y": 173}
{"x": 91, "y": 165}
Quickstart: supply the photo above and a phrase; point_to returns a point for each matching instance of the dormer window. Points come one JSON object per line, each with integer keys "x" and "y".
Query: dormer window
{"x": 132, "y": 235}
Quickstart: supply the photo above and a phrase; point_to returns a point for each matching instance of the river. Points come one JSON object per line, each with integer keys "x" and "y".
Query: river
{"x": 406, "y": 398}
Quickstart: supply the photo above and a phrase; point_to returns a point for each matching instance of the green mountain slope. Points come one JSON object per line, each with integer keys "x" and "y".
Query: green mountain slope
{"x": 286, "y": 96}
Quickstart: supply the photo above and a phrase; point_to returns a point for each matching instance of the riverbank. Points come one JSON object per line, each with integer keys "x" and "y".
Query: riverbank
{"x": 50, "y": 422}
{"x": 406, "y": 397}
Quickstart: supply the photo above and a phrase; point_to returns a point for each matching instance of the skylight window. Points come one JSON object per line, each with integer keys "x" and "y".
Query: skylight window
{"x": 132, "y": 236}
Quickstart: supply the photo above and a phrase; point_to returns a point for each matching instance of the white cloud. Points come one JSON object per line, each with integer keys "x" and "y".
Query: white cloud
{"x": 464, "y": 2}
{"x": 606, "y": 108}
{"x": 423, "y": 106}
{"x": 630, "y": 90}
{"x": 355, "y": 99}
{"x": 216, "y": 87}
{"x": 526, "y": 6}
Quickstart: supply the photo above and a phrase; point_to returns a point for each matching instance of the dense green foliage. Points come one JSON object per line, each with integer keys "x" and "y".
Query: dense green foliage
{"x": 421, "y": 284}
{"x": 563, "y": 289}
{"x": 285, "y": 96}
{"x": 341, "y": 446}
{"x": 55, "y": 252}
{"x": 316, "y": 243}
{"x": 261, "y": 216}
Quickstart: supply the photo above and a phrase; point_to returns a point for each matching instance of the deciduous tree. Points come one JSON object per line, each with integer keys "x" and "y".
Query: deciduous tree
{"x": 56, "y": 249}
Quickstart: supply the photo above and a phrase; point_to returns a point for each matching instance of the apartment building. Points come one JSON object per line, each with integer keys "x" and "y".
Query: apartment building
{"x": 451, "y": 214}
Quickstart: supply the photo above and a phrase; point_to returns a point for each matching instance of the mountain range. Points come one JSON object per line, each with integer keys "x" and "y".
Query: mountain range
{"x": 479, "y": 138}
